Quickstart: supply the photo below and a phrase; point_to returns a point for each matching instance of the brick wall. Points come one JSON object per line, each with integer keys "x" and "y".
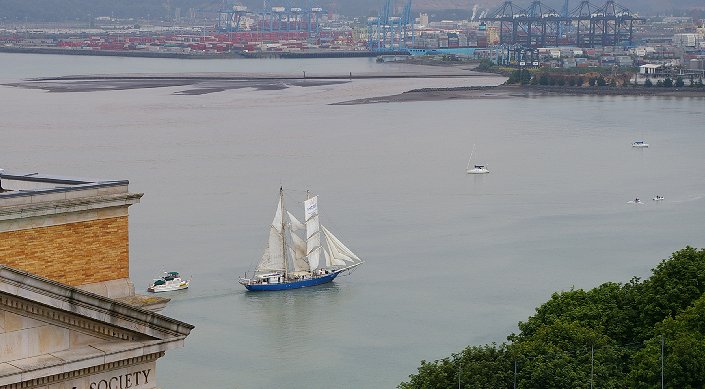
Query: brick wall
{"x": 74, "y": 254}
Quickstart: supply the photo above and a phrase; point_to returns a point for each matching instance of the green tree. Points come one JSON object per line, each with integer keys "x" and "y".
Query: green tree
{"x": 616, "y": 328}
{"x": 488, "y": 366}
{"x": 675, "y": 284}
{"x": 601, "y": 81}
{"x": 679, "y": 82}
{"x": 684, "y": 362}
{"x": 525, "y": 76}
{"x": 592, "y": 81}
{"x": 543, "y": 79}
{"x": 485, "y": 65}
{"x": 535, "y": 80}
{"x": 514, "y": 78}
{"x": 648, "y": 83}
{"x": 559, "y": 355}
{"x": 668, "y": 82}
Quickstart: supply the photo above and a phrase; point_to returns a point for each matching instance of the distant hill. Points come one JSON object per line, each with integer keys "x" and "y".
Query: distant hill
{"x": 67, "y": 10}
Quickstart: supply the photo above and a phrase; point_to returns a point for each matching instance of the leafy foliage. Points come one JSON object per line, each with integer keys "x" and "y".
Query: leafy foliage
{"x": 609, "y": 335}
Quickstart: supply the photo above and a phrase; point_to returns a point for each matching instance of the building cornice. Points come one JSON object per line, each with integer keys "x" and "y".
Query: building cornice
{"x": 102, "y": 309}
{"x": 59, "y": 206}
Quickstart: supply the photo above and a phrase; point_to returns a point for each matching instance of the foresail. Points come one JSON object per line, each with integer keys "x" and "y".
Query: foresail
{"x": 339, "y": 252}
{"x": 333, "y": 261}
{"x": 273, "y": 257}
{"x": 299, "y": 253}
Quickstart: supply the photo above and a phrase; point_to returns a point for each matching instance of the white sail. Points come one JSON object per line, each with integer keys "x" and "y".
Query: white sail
{"x": 327, "y": 256}
{"x": 273, "y": 258}
{"x": 299, "y": 254}
{"x": 310, "y": 207}
{"x": 295, "y": 223}
{"x": 338, "y": 250}
{"x": 313, "y": 235}
{"x": 312, "y": 227}
{"x": 314, "y": 257}
{"x": 333, "y": 261}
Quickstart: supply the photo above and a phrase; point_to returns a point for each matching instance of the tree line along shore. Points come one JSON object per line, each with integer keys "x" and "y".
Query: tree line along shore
{"x": 636, "y": 334}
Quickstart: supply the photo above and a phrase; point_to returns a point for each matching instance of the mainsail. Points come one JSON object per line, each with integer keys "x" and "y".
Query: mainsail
{"x": 299, "y": 254}
{"x": 313, "y": 235}
{"x": 273, "y": 258}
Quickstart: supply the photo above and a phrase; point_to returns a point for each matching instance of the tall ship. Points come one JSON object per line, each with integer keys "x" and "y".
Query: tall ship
{"x": 291, "y": 261}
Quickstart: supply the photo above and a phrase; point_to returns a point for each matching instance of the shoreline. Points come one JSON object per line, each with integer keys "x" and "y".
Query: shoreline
{"x": 513, "y": 91}
{"x": 175, "y": 55}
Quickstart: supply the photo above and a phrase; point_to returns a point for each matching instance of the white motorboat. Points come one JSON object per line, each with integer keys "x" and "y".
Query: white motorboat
{"x": 170, "y": 281}
{"x": 476, "y": 169}
{"x": 658, "y": 198}
{"x": 635, "y": 201}
{"x": 640, "y": 144}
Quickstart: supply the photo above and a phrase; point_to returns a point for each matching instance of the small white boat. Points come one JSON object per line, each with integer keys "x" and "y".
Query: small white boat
{"x": 635, "y": 201}
{"x": 640, "y": 144}
{"x": 170, "y": 281}
{"x": 476, "y": 169}
{"x": 658, "y": 198}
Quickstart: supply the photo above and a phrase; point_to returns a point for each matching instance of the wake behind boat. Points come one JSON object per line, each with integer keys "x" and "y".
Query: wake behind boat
{"x": 292, "y": 262}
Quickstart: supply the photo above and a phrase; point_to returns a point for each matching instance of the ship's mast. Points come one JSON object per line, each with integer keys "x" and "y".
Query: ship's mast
{"x": 286, "y": 261}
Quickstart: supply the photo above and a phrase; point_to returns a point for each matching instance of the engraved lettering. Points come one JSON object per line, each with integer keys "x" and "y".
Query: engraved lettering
{"x": 137, "y": 378}
{"x": 146, "y": 375}
{"x": 128, "y": 382}
{"x": 103, "y": 382}
{"x": 110, "y": 384}
{"x": 92, "y": 386}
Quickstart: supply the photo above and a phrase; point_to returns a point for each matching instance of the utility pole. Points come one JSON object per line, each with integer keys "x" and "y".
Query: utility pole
{"x": 662, "y": 347}
{"x": 592, "y": 361}
{"x": 460, "y": 369}
{"x": 515, "y": 374}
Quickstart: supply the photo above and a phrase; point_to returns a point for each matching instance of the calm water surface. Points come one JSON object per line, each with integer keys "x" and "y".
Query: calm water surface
{"x": 452, "y": 259}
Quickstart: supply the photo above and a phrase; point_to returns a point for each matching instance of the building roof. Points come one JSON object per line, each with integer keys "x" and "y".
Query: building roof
{"x": 111, "y": 330}
{"x": 26, "y": 195}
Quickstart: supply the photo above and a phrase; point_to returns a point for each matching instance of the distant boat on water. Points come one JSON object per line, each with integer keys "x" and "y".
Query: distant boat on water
{"x": 476, "y": 169}
{"x": 640, "y": 144}
{"x": 290, "y": 261}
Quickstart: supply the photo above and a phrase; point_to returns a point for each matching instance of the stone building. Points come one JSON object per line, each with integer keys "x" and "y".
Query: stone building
{"x": 69, "y": 315}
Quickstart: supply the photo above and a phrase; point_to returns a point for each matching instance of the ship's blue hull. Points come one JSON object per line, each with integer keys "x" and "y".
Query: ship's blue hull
{"x": 293, "y": 284}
